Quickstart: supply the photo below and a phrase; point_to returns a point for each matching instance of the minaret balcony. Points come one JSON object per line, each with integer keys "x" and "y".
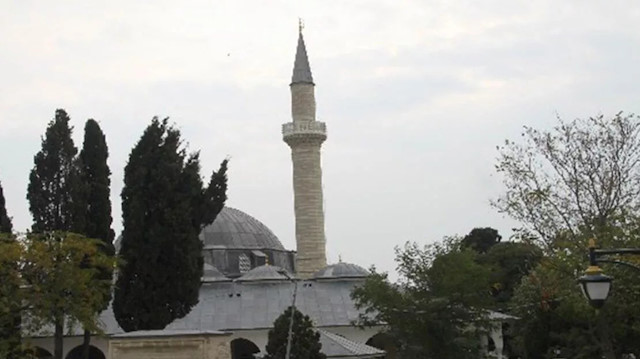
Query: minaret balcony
{"x": 308, "y": 129}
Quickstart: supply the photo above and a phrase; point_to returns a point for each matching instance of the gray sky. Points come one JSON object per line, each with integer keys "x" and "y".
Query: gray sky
{"x": 415, "y": 94}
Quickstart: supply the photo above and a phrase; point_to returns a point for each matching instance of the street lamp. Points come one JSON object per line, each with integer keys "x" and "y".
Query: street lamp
{"x": 293, "y": 311}
{"x": 594, "y": 284}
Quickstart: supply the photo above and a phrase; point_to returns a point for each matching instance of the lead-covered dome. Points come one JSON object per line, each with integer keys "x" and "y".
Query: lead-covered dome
{"x": 264, "y": 273}
{"x": 341, "y": 270}
{"x": 234, "y": 229}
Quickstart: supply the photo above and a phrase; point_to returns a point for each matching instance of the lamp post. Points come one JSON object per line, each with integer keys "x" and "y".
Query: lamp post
{"x": 287, "y": 354}
{"x": 594, "y": 284}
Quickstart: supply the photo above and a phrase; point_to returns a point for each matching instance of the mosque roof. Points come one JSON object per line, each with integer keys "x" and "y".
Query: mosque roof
{"x": 232, "y": 306}
{"x": 341, "y": 270}
{"x": 301, "y": 68}
{"x": 263, "y": 273}
{"x": 334, "y": 345}
{"x": 212, "y": 274}
{"x": 234, "y": 229}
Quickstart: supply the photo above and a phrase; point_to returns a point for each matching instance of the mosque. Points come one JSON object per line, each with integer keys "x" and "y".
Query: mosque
{"x": 250, "y": 278}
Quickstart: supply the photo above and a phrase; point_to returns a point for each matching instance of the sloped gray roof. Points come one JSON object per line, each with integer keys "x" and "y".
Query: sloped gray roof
{"x": 234, "y": 229}
{"x": 301, "y": 68}
{"x": 261, "y": 273}
{"x": 235, "y": 305}
{"x": 212, "y": 274}
{"x": 337, "y": 346}
{"x": 341, "y": 270}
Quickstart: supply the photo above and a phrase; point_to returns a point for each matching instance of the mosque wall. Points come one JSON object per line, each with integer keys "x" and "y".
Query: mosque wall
{"x": 202, "y": 346}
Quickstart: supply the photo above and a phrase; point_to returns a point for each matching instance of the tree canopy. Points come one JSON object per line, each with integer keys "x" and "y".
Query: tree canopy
{"x": 481, "y": 239}
{"x": 50, "y": 279}
{"x": 581, "y": 177}
{"x": 305, "y": 339}
{"x": 578, "y": 181}
{"x": 164, "y": 208}
{"x": 5, "y": 221}
{"x": 50, "y": 191}
{"x": 93, "y": 217}
{"x": 436, "y": 310}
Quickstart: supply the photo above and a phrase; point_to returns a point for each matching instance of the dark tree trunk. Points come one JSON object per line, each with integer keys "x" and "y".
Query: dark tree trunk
{"x": 85, "y": 344}
{"x": 58, "y": 338}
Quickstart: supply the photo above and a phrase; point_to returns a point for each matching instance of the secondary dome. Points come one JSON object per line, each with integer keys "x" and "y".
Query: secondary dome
{"x": 265, "y": 272}
{"x": 234, "y": 229}
{"x": 341, "y": 270}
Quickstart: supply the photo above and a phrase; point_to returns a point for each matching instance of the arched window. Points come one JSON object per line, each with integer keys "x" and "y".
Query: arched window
{"x": 41, "y": 353}
{"x": 243, "y": 349}
{"x": 383, "y": 342}
{"x": 94, "y": 353}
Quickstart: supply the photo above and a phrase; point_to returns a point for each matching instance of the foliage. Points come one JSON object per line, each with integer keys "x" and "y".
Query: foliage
{"x": 509, "y": 263}
{"x": 579, "y": 178}
{"x": 164, "y": 208}
{"x": 481, "y": 239}
{"x": 50, "y": 278}
{"x": 555, "y": 317}
{"x": 51, "y": 182}
{"x": 435, "y": 310}
{"x": 578, "y": 181}
{"x": 92, "y": 206}
{"x": 5, "y": 220}
{"x": 305, "y": 342}
{"x": 10, "y": 297}
{"x": 93, "y": 216}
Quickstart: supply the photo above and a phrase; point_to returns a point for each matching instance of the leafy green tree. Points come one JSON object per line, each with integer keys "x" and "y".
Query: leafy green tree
{"x": 50, "y": 191}
{"x": 55, "y": 274}
{"x": 578, "y": 179}
{"x": 164, "y": 208}
{"x": 575, "y": 182}
{"x": 305, "y": 339}
{"x": 436, "y": 308}
{"x": 10, "y": 296}
{"x": 509, "y": 263}
{"x": 481, "y": 239}
{"x": 92, "y": 205}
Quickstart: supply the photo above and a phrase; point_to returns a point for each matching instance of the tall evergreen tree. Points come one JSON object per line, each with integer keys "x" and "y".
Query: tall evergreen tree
{"x": 164, "y": 207}
{"x": 50, "y": 189}
{"x": 5, "y": 221}
{"x": 10, "y": 319}
{"x": 305, "y": 340}
{"x": 92, "y": 206}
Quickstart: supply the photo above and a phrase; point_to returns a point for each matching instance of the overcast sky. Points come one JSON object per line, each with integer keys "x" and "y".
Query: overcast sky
{"x": 415, "y": 94}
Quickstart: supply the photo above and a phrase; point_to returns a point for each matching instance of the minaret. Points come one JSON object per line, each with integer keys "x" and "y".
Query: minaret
{"x": 305, "y": 136}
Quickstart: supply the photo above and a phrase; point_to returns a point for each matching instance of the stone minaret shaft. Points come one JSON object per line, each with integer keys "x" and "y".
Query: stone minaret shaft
{"x": 305, "y": 136}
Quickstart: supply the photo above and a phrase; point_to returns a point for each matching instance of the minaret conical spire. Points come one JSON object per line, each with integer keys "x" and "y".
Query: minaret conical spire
{"x": 301, "y": 68}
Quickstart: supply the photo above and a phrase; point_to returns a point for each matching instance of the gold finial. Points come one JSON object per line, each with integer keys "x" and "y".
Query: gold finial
{"x": 592, "y": 243}
{"x": 300, "y": 25}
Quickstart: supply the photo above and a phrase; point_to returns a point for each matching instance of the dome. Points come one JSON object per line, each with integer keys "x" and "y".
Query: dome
{"x": 212, "y": 274}
{"x": 265, "y": 272}
{"x": 341, "y": 270}
{"x": 234, "y": 229}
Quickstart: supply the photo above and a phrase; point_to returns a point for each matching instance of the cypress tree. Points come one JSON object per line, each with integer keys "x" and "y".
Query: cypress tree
{"x": 164, "y": 207}
{"x": 10, "y": 319}
{"x": 53, "y": 185}
{"x": 50, "y": 189}
{"x": 5, "y": 221}
{"x": 92, "y": 205}
{"x": 305, "y": 340}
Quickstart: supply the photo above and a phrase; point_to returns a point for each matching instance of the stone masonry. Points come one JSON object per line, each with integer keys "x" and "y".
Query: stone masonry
{"x": 305, "y": 136}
